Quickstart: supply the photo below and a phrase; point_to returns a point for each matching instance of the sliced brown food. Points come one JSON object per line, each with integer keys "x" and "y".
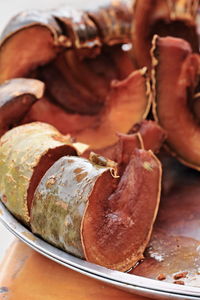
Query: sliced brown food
{"x": 113, "y": 21}
{"x": 80, "y": 207}
{"x": 63, "y": 40}
{"x": 146, "y": 135}
{"x": 165, "y": 18}
{"x": 127, "y": 101}
{"x": 55, "y": 31}
{"x": 16, "y": 98}
{"x": 175, "y": 85}
{"x": 26, "y": 152}
{"x": 174, "y": 248}
{"x": 120, "y": 242}
{"x": 152, "y": 134}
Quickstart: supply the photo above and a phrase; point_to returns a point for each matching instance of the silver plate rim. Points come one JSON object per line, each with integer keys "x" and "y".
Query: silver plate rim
{"x": 138, "y": 284}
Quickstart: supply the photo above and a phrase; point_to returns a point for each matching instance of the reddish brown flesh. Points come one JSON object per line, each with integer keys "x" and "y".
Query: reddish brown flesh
{"x": 44, "y": 164}
{"x": 151, "y": 137}
{"x": 158, "y": 17}
{"x": 118, "y": 242}
{"x": 127, "y": 100}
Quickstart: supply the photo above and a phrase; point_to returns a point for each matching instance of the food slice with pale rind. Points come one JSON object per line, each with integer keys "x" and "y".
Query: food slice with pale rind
{"x": 16, "y": 98}
{"x": 84, "y": 207}
{"x": 26, "y": 152}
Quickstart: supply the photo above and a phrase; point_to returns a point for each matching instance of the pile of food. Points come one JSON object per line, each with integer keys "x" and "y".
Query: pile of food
{"x": 95, "y": 105}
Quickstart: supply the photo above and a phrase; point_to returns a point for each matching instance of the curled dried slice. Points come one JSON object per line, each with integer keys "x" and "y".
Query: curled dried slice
{"x": 81, "y": 207}
{"x": 65, "y": 39}
{"x": 146, "y": 135}
{"x": 16, "y": 98}
{"x": 128, "y": 102}
{"x": 166, "y": 18}
{"x": 175, "y": 80}
{"x": 26, "y": 152}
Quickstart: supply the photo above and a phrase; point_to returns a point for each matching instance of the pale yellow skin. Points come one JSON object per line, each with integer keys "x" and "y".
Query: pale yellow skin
{"x": 61, "y": 199}
{"x": 20, "y": 151}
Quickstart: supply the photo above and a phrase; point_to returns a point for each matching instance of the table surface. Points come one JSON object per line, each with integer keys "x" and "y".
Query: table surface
{"x": 27, "y": 275}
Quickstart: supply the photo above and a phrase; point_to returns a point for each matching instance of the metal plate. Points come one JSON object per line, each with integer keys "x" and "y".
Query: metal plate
{"x": 131, "y": 283}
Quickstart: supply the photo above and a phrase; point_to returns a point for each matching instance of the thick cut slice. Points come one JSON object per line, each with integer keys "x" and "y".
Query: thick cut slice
{"x": 84, "y": 208}
{"x": 127, "y": 103}
{"x": 16, "y": 98}
{"x": 175, "y": 80}
{"x": 26, "y": 152}
{"x": 166, "y": 18}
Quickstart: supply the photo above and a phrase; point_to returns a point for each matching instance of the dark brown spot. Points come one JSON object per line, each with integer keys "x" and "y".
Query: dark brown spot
{"x": 161, "y": 277}
{"x": 180, "y": 275}
{"x": 179, "y": 282}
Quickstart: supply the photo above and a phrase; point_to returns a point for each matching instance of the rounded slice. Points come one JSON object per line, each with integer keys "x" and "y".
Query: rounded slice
{"x": 83, "y": 208}
{"x": 26, "y": 153}
{"x": 127, "y": 102}
{"x": 175, "y": 80}
{"x": 16, "y": 98}
{"x": 165, "y": 18}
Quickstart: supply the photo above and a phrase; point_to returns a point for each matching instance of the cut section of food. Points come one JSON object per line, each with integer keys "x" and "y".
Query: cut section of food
{"x": 16, "y": 98}
{"x": 127, "y": 102}
{"x": 88, "y": 209}
{"x": 26, "y": 153}
{"x": 88, "y": 74}
{"x": 175, "y": 78}
{"x": 176, "y": 18}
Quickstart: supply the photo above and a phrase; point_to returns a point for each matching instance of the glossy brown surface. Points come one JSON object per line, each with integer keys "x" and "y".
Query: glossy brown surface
{"x": 173, "y": 252}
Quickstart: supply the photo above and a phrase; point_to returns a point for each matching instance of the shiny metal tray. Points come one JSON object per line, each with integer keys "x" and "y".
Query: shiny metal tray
{"x": 130, "y": 283}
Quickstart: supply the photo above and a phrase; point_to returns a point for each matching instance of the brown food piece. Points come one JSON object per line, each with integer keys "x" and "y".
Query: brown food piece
{"x": 146, "y": 135}
{"x": 175, "y": 83}
{"x": 90, "y": 215}
{"x": 128, "y": 101}
{"x": 120, "y": 242}
{"x": 161, "y": 277}
{"x": 65, "y": 39}
{"x": 165, "y": 18}
{"x": 16, "y": 98}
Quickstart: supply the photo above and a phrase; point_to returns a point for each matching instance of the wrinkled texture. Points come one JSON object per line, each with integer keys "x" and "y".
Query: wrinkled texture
{"x": 175, "y": 80}
{"x": 176, "y": 18}
{"x": 128, "y": 101}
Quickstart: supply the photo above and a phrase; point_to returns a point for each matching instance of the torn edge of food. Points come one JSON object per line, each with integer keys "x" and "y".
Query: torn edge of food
{"x": 101, "y": 161}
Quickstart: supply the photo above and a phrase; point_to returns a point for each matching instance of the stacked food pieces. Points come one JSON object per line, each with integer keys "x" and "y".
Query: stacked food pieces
{"x": 93, "y": 104}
